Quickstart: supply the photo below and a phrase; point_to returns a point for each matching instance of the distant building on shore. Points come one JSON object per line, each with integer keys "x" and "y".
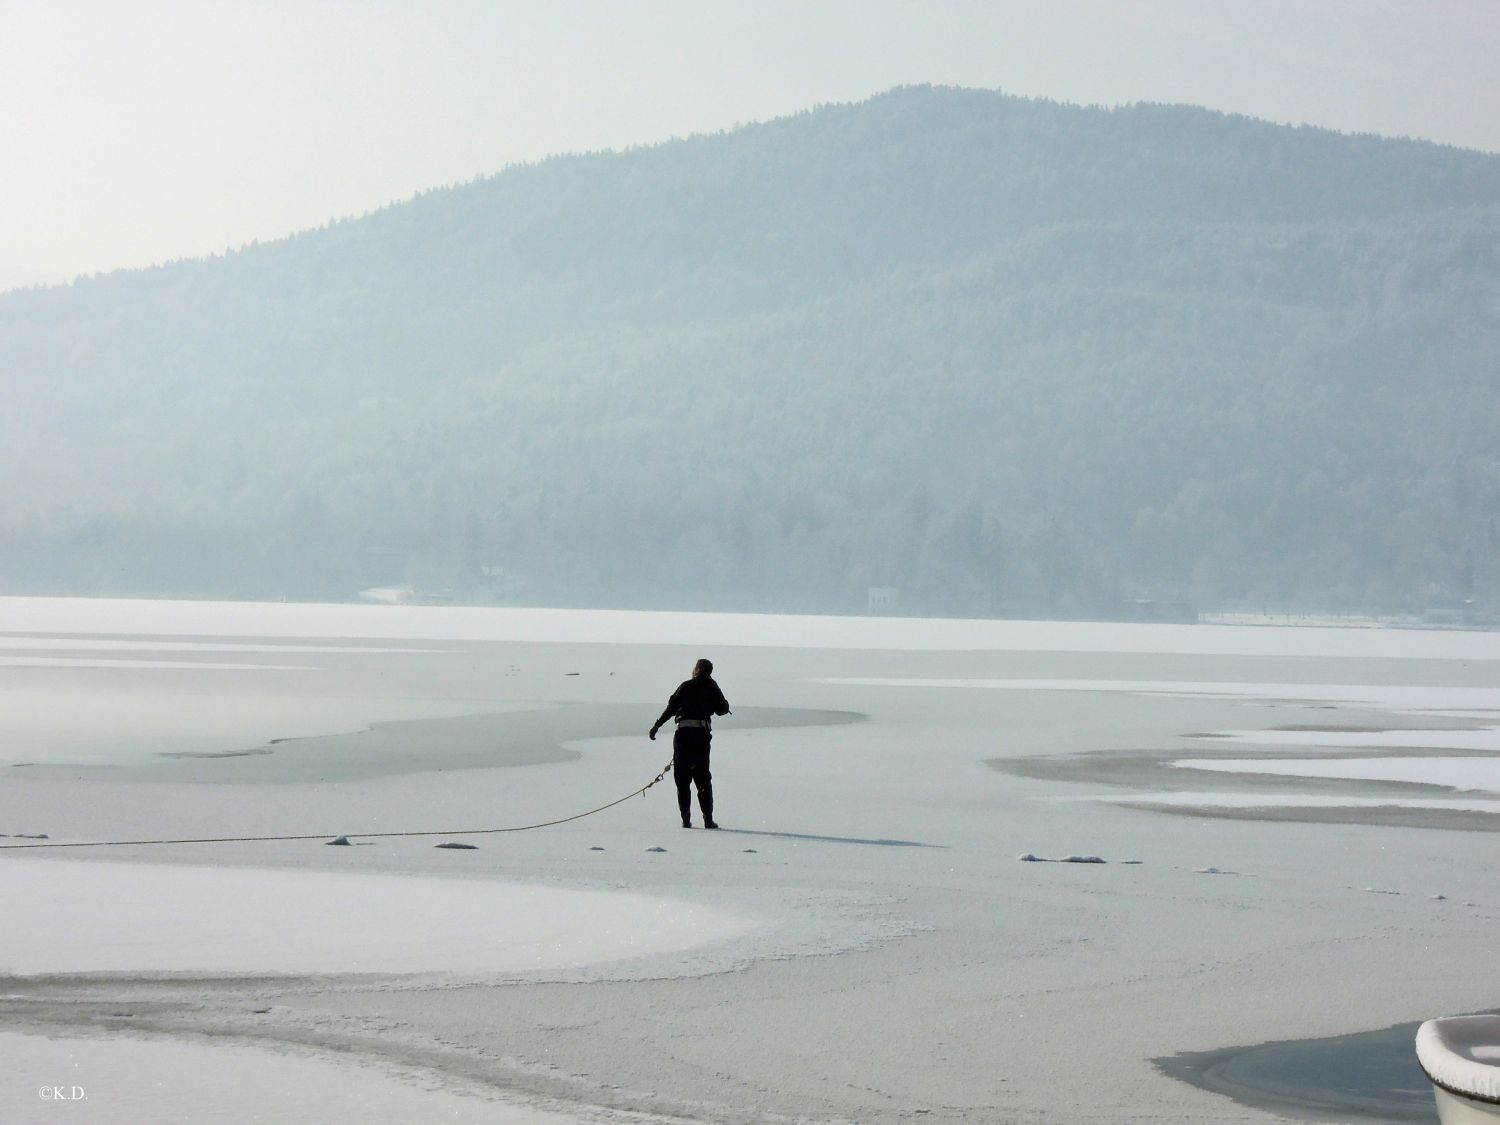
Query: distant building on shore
{"x": 405, "y": 595}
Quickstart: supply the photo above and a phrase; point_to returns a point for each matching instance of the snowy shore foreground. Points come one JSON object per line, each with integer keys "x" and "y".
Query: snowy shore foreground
{"x": 1294, "y": 826}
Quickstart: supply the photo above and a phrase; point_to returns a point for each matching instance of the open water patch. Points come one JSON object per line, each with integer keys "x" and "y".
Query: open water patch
{"x": 1366, "y": 1076}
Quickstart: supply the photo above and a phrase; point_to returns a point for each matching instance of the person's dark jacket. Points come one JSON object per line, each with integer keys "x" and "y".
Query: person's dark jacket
{"x": 698, "y": 698}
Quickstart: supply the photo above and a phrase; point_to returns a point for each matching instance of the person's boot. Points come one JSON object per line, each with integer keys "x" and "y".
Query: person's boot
{"x": 706, "y": 803}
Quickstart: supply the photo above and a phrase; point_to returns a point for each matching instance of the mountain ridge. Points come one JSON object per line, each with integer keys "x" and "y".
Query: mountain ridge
{"x": 829, "y": 291}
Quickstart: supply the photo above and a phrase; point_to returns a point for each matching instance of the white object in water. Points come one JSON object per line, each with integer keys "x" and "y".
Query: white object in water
{"x": 1461, "y": 1055}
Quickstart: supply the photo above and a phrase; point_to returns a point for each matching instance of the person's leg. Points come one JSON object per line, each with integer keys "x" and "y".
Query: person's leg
{"x": 705, "y": 782}
{"x": 682, "y": 774}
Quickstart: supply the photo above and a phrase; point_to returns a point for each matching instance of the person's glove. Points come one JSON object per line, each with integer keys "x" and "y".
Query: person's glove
{"x": 651, "y": 734}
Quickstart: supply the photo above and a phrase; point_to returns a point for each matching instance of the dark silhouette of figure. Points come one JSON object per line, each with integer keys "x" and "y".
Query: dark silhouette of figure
{"x": 693, "y": 705}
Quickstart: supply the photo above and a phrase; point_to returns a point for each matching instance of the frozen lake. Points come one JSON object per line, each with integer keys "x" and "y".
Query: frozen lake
{"x": 859, "y": 943}
{"x": 229, "y": 920}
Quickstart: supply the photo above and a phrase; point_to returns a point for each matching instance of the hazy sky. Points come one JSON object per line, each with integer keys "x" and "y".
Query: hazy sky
{"x": 134, "y": 131}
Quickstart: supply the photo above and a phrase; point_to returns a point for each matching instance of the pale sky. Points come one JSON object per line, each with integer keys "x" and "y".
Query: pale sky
{"x": 137, "y": 131}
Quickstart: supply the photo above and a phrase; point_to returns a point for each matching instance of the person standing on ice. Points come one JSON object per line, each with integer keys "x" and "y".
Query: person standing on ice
{"x": 694, "y": 705}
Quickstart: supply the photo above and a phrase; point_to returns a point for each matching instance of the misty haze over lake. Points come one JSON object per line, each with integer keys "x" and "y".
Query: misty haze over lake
{"x": 942, "y": 352}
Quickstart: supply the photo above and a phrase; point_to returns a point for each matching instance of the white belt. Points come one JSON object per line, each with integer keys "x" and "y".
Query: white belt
{"x": 693, "y": 723}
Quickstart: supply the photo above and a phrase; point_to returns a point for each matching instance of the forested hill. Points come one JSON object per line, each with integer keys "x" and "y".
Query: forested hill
{"x": 1004, "y": 356}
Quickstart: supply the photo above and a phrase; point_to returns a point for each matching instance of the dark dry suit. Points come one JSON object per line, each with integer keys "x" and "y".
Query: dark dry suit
{"x": 693, "y": 705}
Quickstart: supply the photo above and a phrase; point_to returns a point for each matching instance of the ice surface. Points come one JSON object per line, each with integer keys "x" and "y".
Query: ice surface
{"x": 1382, "y": 697}
{"x": 1460, "y": 773}
{"x": 110, "y": 1081}
{"x": 140, "y": 918}
{"x": 279, "y": 619}
{"x": 11, "y": 643}
{"x": 106, "y": 725}
{"x": 1241, "y": 800}
{"x": 107, "y": 662}
{"x": 874, "y": 983}
{"x": 1487, "y": 739}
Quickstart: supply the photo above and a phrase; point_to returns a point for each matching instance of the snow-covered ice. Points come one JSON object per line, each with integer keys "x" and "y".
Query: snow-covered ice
{"x": 218, "y": 920}
{"x": 1459, "y": 773}
{"x": 1254, "y": 800}
{"x": 721, "y": 630}
{"x": 1485, "y": 739}
{"x": 1385, "y": 697}
{"x": 109, "y": 1081}
{"x": 857, "y": 944}
{"x": 115, "y": 724}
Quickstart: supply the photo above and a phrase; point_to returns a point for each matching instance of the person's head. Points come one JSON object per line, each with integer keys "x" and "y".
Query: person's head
{"x": 703, "y": 668}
